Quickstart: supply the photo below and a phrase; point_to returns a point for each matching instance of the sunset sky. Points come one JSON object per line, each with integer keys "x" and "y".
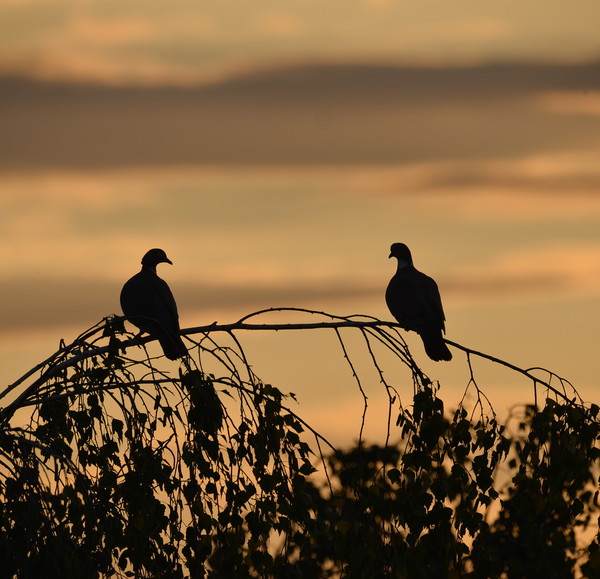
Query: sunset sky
{"x": 276, "y": 151}
{"x": 156, "y": 41}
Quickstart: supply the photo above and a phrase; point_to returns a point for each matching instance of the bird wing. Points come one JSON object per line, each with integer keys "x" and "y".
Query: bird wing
{"x": 145, "y": 295}
{"x": 137, "y": 297}
{"x": 414, "y": 300}
{"x": 165, "y": 299}
{"x": 433, "y": 301}
{"x": 405, "y": 300}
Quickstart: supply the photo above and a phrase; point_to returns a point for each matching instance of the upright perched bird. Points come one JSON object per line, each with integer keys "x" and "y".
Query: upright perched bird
{"x": 148, "y": 303}
{"x": 414, "y": 300}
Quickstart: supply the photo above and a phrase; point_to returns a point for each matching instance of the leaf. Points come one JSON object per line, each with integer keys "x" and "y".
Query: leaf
{"x": 117, "y": 427}
{"x": 394, "y": 475}
{"x": 307, "y": 469}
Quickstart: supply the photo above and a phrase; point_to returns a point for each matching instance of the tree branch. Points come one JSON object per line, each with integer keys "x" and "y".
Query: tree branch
{"x": 54, "y": 366}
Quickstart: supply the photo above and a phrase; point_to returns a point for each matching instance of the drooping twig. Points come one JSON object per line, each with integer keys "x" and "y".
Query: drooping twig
{"x": 60, "y": 361}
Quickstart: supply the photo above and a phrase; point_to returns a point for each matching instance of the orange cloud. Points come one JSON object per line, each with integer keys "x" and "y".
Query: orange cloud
{"x": 87, "y": 30}
{"x": 280, "y": 24}
{"x": 570, "y": 103}
{"x": 571, "y": 270}
{"x": 535, "y": 187}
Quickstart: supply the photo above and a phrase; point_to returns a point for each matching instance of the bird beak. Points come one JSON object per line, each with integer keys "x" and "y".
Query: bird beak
{"x": 169, "y": 261}
{"x": 390, "y": 255}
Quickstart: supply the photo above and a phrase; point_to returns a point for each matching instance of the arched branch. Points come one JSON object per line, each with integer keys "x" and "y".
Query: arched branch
{"x": 61, "y": 360}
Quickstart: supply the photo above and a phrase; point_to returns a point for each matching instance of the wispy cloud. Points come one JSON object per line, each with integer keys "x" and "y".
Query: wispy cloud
{"x": 305, "y": 115}
{"x": 153, "y": 42}
{"x": 538, "y": 187}
{"x": 547, "y": 272}
{"x": 585, "y": 102}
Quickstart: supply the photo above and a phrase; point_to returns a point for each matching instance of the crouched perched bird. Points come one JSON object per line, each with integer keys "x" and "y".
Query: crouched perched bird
{"x": 148, "y": 303}
{"x": 414, "y": 300}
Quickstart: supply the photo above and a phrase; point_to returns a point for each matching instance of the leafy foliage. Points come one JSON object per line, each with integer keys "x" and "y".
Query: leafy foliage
{"x": 438, "y": 504}
{"x": 114, "y": 464}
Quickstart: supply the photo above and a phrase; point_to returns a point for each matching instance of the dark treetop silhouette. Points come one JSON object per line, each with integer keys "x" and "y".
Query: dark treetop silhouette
{"x": 148, "y": 303}
{"x": 414, "y": 300}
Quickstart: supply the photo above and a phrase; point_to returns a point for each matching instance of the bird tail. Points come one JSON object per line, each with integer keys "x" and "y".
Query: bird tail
{"x": 172, "y": 345}
{"x": 435, "y": 347}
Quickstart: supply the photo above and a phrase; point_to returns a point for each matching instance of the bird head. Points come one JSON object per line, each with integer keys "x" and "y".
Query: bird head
{"x": 154, "y": 257}
{"x": 401, "y": 252}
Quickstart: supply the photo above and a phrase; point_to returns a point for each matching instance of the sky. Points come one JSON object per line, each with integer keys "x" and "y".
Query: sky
{"x": 152, "y": 41}
{"x": 275, "y": 152}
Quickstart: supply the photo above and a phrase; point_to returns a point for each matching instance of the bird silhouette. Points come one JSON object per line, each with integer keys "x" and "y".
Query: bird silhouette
{"x": 414, "y": 300}
{"x": 148, "y": 303}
